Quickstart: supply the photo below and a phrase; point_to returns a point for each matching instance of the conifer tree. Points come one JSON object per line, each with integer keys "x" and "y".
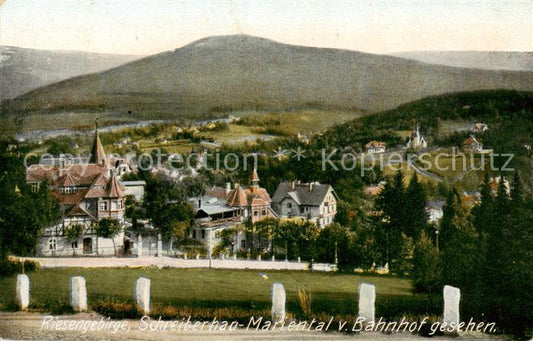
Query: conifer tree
{"x": 459, "y": 251}
{"x": 415, "y": 208}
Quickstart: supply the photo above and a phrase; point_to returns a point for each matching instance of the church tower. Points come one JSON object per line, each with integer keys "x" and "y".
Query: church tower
{"x": 97, "y": 150}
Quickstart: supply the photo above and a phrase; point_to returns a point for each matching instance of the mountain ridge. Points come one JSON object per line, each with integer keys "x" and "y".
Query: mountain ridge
{"x": 26, "y": 69}
{"x": 240, "y": 71}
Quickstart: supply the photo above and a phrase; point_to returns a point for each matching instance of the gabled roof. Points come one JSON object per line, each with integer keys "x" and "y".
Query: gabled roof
{"x": 78, "y": 211}
{"x": 375, "y": 144}
{"x": 301, "y": 193}
{"x": 70, "y": 199}
{"x": 68, "y": 180}
{"x": 84, "y": 174}
{"x": 237, "y": 197}
{"x": 471, "y": 140}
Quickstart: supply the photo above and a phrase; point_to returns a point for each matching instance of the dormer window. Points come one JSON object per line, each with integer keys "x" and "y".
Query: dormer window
{"x": 69, "y": 189}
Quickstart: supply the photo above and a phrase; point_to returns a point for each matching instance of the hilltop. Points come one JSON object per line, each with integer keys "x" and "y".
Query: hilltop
{"x": 22, "y": 69}
{"x": 490, "y": 60}
{"x": 227, "y": 73}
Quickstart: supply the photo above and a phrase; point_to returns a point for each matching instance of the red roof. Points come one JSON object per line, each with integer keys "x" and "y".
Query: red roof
{"x": 84, "y": 174}
{"x": 375, "y": 144}
{"x": 237, "y": 197}
{"x": 471, "y": 140}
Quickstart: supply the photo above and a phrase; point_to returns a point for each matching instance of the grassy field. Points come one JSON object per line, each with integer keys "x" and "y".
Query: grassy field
{"x": 304, "y": 121}
{"x": 331, "y": 293}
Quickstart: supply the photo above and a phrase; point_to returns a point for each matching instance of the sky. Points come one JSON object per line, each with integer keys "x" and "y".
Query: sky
{"x": 146, "y": 27}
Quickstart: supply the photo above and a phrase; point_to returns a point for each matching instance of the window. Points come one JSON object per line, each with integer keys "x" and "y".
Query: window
{"x": 35, "y": 186}
{"x": 243, "y": 244}
{"x": 194, "y": 234}
{"x": 203, "y": 234}
{"x": 74, "y": 245}
{"x": 264, "y": 212}
{"x": 119, "y": 204}
{"x": 103, "y": 206}
{"x": 289, "y": 205}
{"x": 52, "y": 243}
{"x": 255, "y": 213}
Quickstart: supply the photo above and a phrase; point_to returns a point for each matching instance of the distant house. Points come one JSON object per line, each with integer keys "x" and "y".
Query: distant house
{"x": 435, "y": 210}
{"x": 479, "y": 127}
{"x": 471, "y": 198}
{"x": 375, "y": 147}
{"x": 373, "y": 190}
{"x": 313, "y": 201}
{"x": 495, "y": 183}
{"x": 416, "y": 140}
{"x": 472, "y": 145}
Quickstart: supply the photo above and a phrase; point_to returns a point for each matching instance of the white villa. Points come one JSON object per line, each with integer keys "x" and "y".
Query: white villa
{"x": 312, "y": 201}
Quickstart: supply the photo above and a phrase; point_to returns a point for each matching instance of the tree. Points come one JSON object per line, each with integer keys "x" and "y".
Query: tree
{"x": 266, "y": 228}
{"x": 417, "y": 214}
{"x": 483, "y": 213}
{"x": 73, "y": 233}
{"x": 333, "y": 244}
{"x": 507, "y": 276}
{"x": 108, "y": 228}
{"x": 393, "y": 221}
{"x": 23, "y": 213}
{"x": 459, "y": 254}
{"x": 426, "y": 271}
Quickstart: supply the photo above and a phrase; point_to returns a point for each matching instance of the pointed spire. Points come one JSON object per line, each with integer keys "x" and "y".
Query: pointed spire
{"x": 115, "y": 188}
{"x": 97, "y": 150}
{"x": 254, "y": 178}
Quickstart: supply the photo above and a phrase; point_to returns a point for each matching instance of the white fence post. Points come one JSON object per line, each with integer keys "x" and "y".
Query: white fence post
{"x": 278, "y": 302}
{"x": 139, "y": 246}
{"x": 367, "y": 300}
{"x": 78, "y": 293}
{"x": 452, "y": 297}
{"x": 23, "y": 291}
{"x": 142, "y": 295}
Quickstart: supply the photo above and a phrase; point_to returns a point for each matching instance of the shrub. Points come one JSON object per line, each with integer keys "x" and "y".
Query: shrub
{"x": 304, "y": 298}
{"x": 117, "y": 310}
{"x": 11, "y": 267}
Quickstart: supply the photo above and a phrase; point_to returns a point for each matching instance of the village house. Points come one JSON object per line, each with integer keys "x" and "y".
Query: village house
{"x": 375, "y": 147}
{"x": 495, "y": 183}
{"x": 311, "y": 201}
{"x": 87, "y": 192}
{"x": 223, "y": 208}
{"x": 416, "y": 140}
{"x": 479, "y": 127}
{"x": 472, "y": 145}
{"x": 435, "y": 210}
{"x": 373, "y": 190}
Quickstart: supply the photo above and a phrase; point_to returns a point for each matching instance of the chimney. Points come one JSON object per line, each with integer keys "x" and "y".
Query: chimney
{"x": 228, "y": 187}
{"x": 310, "y": 186}
{"x": 292, "y": 185}
{"x": 200, "y": 203}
